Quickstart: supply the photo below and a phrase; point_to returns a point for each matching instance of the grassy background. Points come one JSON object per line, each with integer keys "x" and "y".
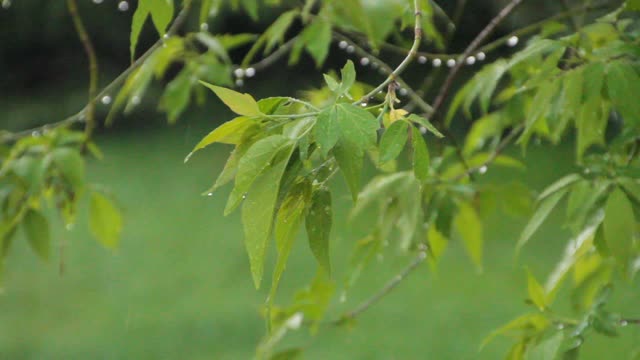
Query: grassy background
{"x": 179, "y": 286}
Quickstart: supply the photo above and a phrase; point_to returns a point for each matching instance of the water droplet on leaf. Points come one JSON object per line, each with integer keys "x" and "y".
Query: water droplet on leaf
{"x": 624, "y": 323}
{"x": 423, "y": 130}
{"x": 422, "y": 59}
{"x": 482, "y": 170}
{"x": 210, "y": 194}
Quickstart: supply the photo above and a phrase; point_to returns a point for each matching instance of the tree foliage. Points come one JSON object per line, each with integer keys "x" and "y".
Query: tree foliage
{"x": 571, "y": 78}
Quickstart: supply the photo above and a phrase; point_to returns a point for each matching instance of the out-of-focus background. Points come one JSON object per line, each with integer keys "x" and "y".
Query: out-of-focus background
{"x": 179, "y": 285}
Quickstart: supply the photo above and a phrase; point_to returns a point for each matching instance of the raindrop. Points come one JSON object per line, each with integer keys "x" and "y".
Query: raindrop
{"x": 343, "y": 44}
{"x": 97, "y": 1}
{"x": 204, "y": 27}
{"x": 35, "y": 133}
{"x": 482, "y": 170}
{"x": 350, "y": 49}
{"x": 624, "y": 323}
{"x": 244, "y": 196}
{"x": 481, "y": 56}
{"x": 513, "y": 41}
{"x": 403, "y": 92}
{"x": 239, "y": 72}
{"x": 422, "y": 60}
{"x": 239, "y": 82}
{"x": 210, "y": 194}
{"x": 135, "y": 100}
{"x": 250, "y": 72}
{"x": 364, "y": 104}
{"x": 343, "y": 297}
{"x": 6, "y": 4}
{"x": 123, "y": 6}
{"x": 106, "y": 100}
{"x": 364, "y": 61}
{"x": 165, "y": 36}
{"x": 436, "y": 62}
{"x": 451, "y": 63}
{"x": 423, "y": 130}
{"x": 471, "y": 60}
{"x": 295, "y": 321}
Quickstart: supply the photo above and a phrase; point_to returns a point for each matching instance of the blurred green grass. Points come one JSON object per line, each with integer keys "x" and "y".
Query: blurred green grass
{"x": 179, "y": 286}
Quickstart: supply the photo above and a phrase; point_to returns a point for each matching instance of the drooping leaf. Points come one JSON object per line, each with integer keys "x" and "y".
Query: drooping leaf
{"x": 622, "y": 81}
{"x": 176, "y": 95}
{"x": 437, "y": 245}
{"x": 350, "y": 159}
{"x": 105, "y": 220}
{"x": 36, "y": 227}
{"x": 393, "y": 141}
{"x": 426, "y": 124}
{"x": 528, "y": 322}
{"x": 547, "y": 349}
{"x": 317, "y": 38}
{"x": 276, "y": 31}
{"x": 258, "y": 210}
{"x": 559, "y": 185}
{"x": 544, "y": 209}
{"x": 468, "y": 226}
{"x": 327, "y": 131}
{"x": 318, "y": 224}
{"x": 536, "y": 292}
{"x": 70, "y": 164}
{"x": 230, "y": 132}
{"x": 591, "y": 124}
{"x": 161, "y": 12}
{"x": 241, "y": 104}
{"x": 619, "y": 225}
{"x": 348, "y": 75}
{"x": 421, "y": 159}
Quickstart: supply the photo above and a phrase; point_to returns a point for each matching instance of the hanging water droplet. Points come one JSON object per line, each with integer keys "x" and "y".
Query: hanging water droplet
{"x": 364, "y": 104}
{"x": 482, "y": 170}
{"x": 403, "y": 92}
{"x": 364, "y": 61}
{"x": 123, "y": 6}
{"x": 210, "y": 194}
{"x": 471, "y": 60}
{"x": 244, "y": 196}
{"x": 239, "y": 72}
{"x": 135, "y": 100}
{"x": 624, "y": 323}
{"x": 436, "y": 62}
{"x": 106, "y": 100}
{"x": 481, "y": 56}
{"x": 513, "y": 41}
{"x": 343, "y": 44}
{"x": 6, "y": 4}
{"x": 451, "y": 63}
{"x": 343, "y": 297}
{"x": 239, "y": 82}
{"x": 350, "y": 49}
{"x": 204, "y": 27}
{"x": 423, "y": 130}
{"x": 422, "y": 59}
{"x": 250, "y": 72}
{"x": 97, "y": 1}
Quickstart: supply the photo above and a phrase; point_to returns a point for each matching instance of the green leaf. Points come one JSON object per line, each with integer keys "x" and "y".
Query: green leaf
{"x": 241, "y": 104}
{"x": 350, "y": 158}
{"x": 536, "y": 292}
{"x": 543, "y": 211}
{"x": 230, "y": 132}
{"x": 332, "y": 84}
{"x": 318, "y": 224}
{"x": 70, "y": 164}
{"x": 288, "y": 354}
{"x": 437, "y": 245}
{"x": 139, "y": 18}
{"x": 275, "y": 33}
{"x": 105, "y": 220}
{"x": 633, "y": 5}
{"x": 540, "y": 106}
{"x": 421, "y": 159}
{"x": 177, "y": 93}
{"x": 256, "y": 160}
{"x": 619, "y": 225}
{"x": 31, "y": 170}
{"x": 348, "y": 75}
{"x": 288, "y": 222}
{"x": 230, "y": 167}
{"x": 258, "y": 210}
{"x": 591, "y": 124}
{"x": 528, "y": 322}
{"x": 622, "y": 82}
{"x": 426, "y": 124}
{"x": 357, "y": 126}
{"x": 393, "y": 141}
{"x": 327, "y": 131}
{"x": 594, "y": 74}
{"x": 468, "y": 226}
{"x": 547, "y": 349}
{"x": 380, "y": 188}
{"x": 559, "y": 185}
{"x": 631, "y": 187}
{"x": 161, "y": 14}
{"x": 317, "y": 38}
{"x": 571, "y": 100}
{"x": 36, "y": 227}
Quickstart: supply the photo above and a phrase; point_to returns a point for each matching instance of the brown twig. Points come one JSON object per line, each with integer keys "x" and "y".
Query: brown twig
{"x": 446, "y": 87}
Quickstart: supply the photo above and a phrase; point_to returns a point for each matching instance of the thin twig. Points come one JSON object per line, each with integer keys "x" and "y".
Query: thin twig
{"x": 417, "y": 38}
{"x": 444, "y": 91}
{"x": 93, "y": 65}
{"x": 385, "y": 290}
{"x": 274, "y": 56}
{"x": 80, "y": 116}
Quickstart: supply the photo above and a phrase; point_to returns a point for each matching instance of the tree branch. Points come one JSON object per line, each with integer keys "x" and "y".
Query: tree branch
{"x": 81, "y": 116}
{"x": 444, "y": 91}
{"x": 417, "y": 38}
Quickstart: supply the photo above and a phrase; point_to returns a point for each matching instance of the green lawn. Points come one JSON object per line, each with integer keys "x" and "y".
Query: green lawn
{"x": 179, "y": 286}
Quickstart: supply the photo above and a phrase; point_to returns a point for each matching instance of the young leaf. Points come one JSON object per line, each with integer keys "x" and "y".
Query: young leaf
{"x": 357, "y": 126}
{"x": 257, "y": 213}
{"x": 332, "y": 84}
{"x": 348, "y": 75}
{"x": 536, "y": 292}
{"x": 622, "y": 82}
{"x": 275, "y": 33}
{"x": 393, "y": 141}
{"x": 437, "y": 245}
{"x": 161, "y": 14}
{"x": 36, "y": 227}
{"x": 350, "y": 158}
{"x": 176, "y": 95}
{"x": 619, "y": 225}
{"x": 525, "y": 322}
{"x": 256, "y": 160}
{"x": 241, "y": 104}
{"x": 105, "y": 220}
{"x": 544, "y": 209}
{"x": 327, "y": 130}
{"x": 70, "y": 164}
{"x": 230, "y": 132}
{"x": 318, "y": 224}
{"x": 420, "y": 155}
{"x": 547, "y": 349}
{"x": 559, "y": 185}
{"x": 426, "y": 124}
{"x": 317, "y": 38}
{"x": 468, "y": 226}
